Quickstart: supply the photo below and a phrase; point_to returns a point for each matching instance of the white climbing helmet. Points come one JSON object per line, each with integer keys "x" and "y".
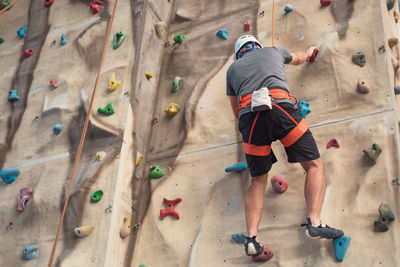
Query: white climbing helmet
{"x": 242, "y": 40}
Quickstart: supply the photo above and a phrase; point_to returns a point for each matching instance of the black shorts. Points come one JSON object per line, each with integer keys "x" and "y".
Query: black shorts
{"x": 273, "y": 125}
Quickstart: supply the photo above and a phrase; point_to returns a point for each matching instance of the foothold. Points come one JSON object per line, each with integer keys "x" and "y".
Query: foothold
{"x": 325, "y": 2}
{"x": 112, "y": 83}
{"x": 109, "y": 208}
{"x": 9, "y": 175}
{"x": 5, "y": 4}
{"x": 96, "y": 6}
{"x": 382, "y": 49}
{"x": 279, "y": 184}
{"x": 238, "y": 167}
{"x": 266, "y": 255}
{"x": 24, "y": 195}
{"x": 21, "y": 32}
{"x": 314, "y": 55}
{"x": 333, "y": 142}
{"x": 247, "y": 26}
{"x": 125, "y": 228}
{"x": 57, "y": 129}
{"x": 100, "y": 155}
{"x": 179, "y": 38}
{"x": 393, "y": 41}
{"x": 156, "y": 172}
{"x": 12, "y": 95}
{"x": 139, "y": 157}
{"x": 30, "y": 252}
{"x": 262, "y": 13}
{"x": 83, "y": 231}
{"x": 386, "y": 216}
{"x": 63, "y": 39}
{"x": 239, "y": 238}
{"x": 362, "y": 86}
{"x": 96, "y": 196}
{"x": 396, "y": 16}
{"x": 389, "y": 4}
{"x": 288, "y": 8}
{"x": 397, "y": 90}
{"x": 53, "y": 83}
{"x": 396, "y": 181}
{"x": 28, "y": 52}
{"x": 176, "y": 83}
{"x": 141, "y": 265}
{"x": 119, "y": 38}
{"x": 373, "y": 153}
{"x": 48, "y": 3}
{"x": 1, "y": 39}
{"x": 359, "y": 59}
{"x": 107, "y": 110}
{"x": 137, "y": 226}
{"x": 10, "y": 226}
{"x": 172, "y": 109}
{"x": 161, "y": 29}
{"x": 169, "y": 210}
{"x": 341, "y": 244}
{"x": 223, "y": 34}
{"x": 304, "y": 108}
{"x": 148, "y": 75}
{"x": 167, "y": 43}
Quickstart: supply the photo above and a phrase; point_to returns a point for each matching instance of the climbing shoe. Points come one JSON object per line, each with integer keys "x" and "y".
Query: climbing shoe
{"x": 252, "y": 247}
{"x": 321, "y": 231}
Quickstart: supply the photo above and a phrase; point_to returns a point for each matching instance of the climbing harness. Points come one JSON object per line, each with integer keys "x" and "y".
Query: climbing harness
{"x": 8, "y": 6}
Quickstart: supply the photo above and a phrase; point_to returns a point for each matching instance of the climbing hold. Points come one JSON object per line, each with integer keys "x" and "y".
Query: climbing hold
{"x": 30, "y": 252}
{"x": 396, "y": 16}
{"x": 373, "y": 153}
{"x": 101, "y": 155}
{"x": 264, "y": 256}
{"x": 396, "y": 181}
{"x": 21, "y": 32}
{"x": 239, "y": 238}
{"x": 24, "y": 195}
{"x": 1, "y": 39}
{"x": 386, "y": 216}
{"x": 141, "y": 265}
{"x": 53, "y": 83}
{"x": 172, "y": 109}
{"x": 288, "y": 8}
{"x": 12, "y": 95}
{"x": 139, "y": 157}
{"x": 304, "y": 108}
{"x": 393, "y": 41}
{"x": 10, "y": 226}
{"x": 57, "y": 128}
{"x": 148, "y": 75}
{"x": 333, "y": 142}
{"x": 109, "y": 209}
{"x": 397, "y": 90}
{"x": 325, "y": 2}
{"x": 83, "y": 230}
{"x": 382, "y": 49}
{"x": 341, "y": 244}
{"x": 314, "y": 55}
{"x": 262, "y": 13}
{"x": 107, "y": 110}
{"x": 279, "y": 184}
{"x": 359, "y": 59}
{"x": 48, "y": 3}
{"x": 176, "y": 83}
{"x": 169, "y": 210}
{"x": 63, "y": 39}
{"x": 362, "y": 86}
{"x": 179, "y": 38}
{"x": 223, "y": 34}
{"x": 247, "y": 26}
{"x": 238, "y": 167}
{"x": 28, "y": 52}
{"x": 389, "y": 4}
{"x": 96, "y": 196}
{"x": 156, "y": 172}
{"x": 96, "y": 6}
{"x": 161, "y": 29}
{"x": 125, "y": 228}
{"x": 9, "y": 175}
{"x": 5, "y": 4}
{"x": 112, "y": 83}
{"x": 119, "y": 37}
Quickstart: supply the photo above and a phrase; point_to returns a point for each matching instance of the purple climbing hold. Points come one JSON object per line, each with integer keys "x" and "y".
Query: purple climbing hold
{"x": 24, "y": 195}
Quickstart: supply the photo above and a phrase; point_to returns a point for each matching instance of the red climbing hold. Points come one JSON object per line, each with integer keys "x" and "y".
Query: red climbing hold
{"x": 314, "y": 55}
{"x": 48, "y": 3}
{"x": 28, "y": 52}
{"x": 169, "y": 210}
{"x": 53, "y": 83}
{"x": 334, "y": 142}
{"x": 96, "y": 6}
{"x": 279, "y": 184}
{"x": 265, "y": 255}
{"x": 247, "y": 26}
{"x": 325, "y": 2}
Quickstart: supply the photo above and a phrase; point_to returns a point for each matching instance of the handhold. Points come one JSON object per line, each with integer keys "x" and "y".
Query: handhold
{"x": 57, "y": 129}
{"x": 148, "y": 75}
{"x": 28, "y": 52}
{"x": 101, "y": 155}
{"x": 161, "y": 29}
{"x": 112, "y": 83}
{"x": 179, "y": 38}
{"x": 386, "y": 216}
{"x": 1, "y": 39}
{"x": 389, "y": 4}
{"x": 397, "y": 90}
{"x": 373, "y": 153}
{"x": 139, "y": 157}
{"x": 314, "y": 55}
{"x": 48, "y": 3}
{"x": 396, "y": 181}
{"x": 10, "y": 226}
{"x": 396, "y": 16}
{"x": 169, "y": 210}
{"x": 362, "y": 86}
{"x": 9, "y": 175}
{"x": 24, "y": 195}
{"x": 96, "y": 6}
{"x": 333, "y": 142}
{"x": 30, "y": 252}
{"x": 288, "y": 8}
{"x": 247, "y": 26}
{"x": 279, "y": 184}
{"x": 63, "y": 39}
{"x": 125, "y": 228}
{"x": 304, "y": 108}
{"x": 359, "y": 59}
{"x": 96, "y": 196}
{"x": 172, "y": 109}
{"x": 21, "y": 32}
{"x": 393, "y": 41}
{"x": 5, "y": 4}
{"x": 107, "y": 110}
{"x": 119, "y": 37}
{"x": 83, "y": 231}
{"x": 325, "y": 2}
{"x": 12, "y": 95}
{"x": 156, "y": 172}
{"x": 176, "y": 83}
{"x": 382, "y": 49}
{"x": 239, "y": 238}
{"x": 341, "y": 244}
{"x": 264, "y": 256}
{"x": 53, "y": 83}
{"x": 223, "y": 34}
{"x": 238, "y": 167}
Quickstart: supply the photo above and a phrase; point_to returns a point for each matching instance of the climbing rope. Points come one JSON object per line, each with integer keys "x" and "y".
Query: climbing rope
{"x": 78, "y": 155}
{"x": 9, "y": 6}
{"x": 273, "y": 14}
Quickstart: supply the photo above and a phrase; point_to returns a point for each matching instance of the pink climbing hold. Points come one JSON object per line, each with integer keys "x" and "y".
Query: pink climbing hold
{"x": 247, "y": 26}
{"x": 28, "y": 52}
{"x": 334, "y": 142}
{"x": 96, "y": 6}
{"x": 53, "y": 83}
{"x": 48, "y": 3}
{"x": 325, "y": 2}
{"x": 279, "y": 184}
{"x": 24, "y": 195}
{"x": 169, "y": 210}
{"x": 265, "y": 255}
{"x": 314, "y": 55}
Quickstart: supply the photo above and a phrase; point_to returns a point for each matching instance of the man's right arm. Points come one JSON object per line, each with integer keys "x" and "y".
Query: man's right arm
{"x": 301, "y": 57}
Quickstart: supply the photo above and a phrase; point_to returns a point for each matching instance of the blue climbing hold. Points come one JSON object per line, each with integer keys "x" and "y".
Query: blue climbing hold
{"x": 288, "y": 8}
{"x": 341, "y": 245}
{"x": 12, "y": 95}
{"x": 21, "y": 32}
{"x": 57, "y": 129}
{"x": 239, "y": 238}
{"x": 238, "y": 167}
{"x": 63, "y": 39}
{"x": 304, "y": 108}
{"x": 223, "y": 34}
{"x": 30, "y": 252}
{"x": 9, "y": 175}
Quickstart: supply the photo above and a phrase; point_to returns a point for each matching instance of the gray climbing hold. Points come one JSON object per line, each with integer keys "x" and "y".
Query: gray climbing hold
{"x": 359, "y": 59}
{"x": 397, "y": 90}
{"x": 389, "y": 4}
{"x": 373, "y": 153}
{"x": 386, "y": 216}
{"x": 176, "y": 84}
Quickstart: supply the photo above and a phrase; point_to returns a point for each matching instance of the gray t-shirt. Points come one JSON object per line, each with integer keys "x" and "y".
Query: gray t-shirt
{"x": 260, "y": 68}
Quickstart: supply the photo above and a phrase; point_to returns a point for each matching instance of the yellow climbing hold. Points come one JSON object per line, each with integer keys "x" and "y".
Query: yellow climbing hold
{"x": 161, "y": 29}
{"x": 100, "y": 155}
{"x": 125, "y": 228}
{"x": 83, "y": 230}
{"x": 139, "y": 157}
{"x": 113, "y": 84}
{"x": 172, "y": 109}
{"x": 148, "y": 75}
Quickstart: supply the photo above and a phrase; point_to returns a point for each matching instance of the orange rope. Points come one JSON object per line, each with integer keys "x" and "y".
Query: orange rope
{"x": 9, "y": 6}
{"x": 78, "y": 155}
{"x": 273, "y": 14}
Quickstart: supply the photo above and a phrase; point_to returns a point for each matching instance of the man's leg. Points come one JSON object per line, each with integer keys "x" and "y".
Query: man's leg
{"x": 255, "y": 203}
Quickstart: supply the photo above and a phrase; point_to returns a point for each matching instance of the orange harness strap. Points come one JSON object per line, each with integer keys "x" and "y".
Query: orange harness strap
{"x": 254, "y": 149}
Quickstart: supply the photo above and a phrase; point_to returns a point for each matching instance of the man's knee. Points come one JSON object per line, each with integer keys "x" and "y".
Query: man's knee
{"x": 312, "y": 164}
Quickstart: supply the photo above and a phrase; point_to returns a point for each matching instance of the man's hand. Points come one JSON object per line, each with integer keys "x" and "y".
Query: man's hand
{"x": 302, "y": 57}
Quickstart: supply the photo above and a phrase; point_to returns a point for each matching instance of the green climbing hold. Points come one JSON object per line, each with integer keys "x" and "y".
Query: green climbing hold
{"x": 1, "y": 39}
{"x": 176, "y": 84}
{"x": 119, "y": 37}
{"x": 179, "y": 38}
{"x": 156, "y": 172}
{"x": 107, "y": 110}
{"x": 359, "y": 59}
{"x": 386, "y": 216}
{"x": 141, "y": 265}
{"x": 96, "y": 196}
{"x": 373, "y": 153}
{"x": 5, "y": 3}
